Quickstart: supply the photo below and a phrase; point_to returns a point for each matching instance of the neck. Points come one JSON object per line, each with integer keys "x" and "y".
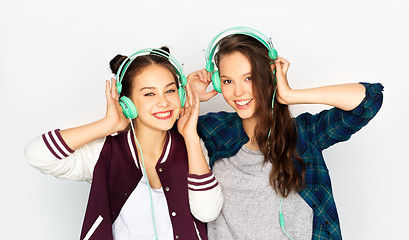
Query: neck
{"x": 249, "y": 125}
{"x": 151, "y": 140}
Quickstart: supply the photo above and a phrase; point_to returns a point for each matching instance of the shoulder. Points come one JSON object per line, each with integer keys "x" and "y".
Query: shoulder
{"x": 119, "y": 144}
{"x": 213, "y": 122}
{"x": 219, "y": 116}
{"x": 121, "y": 137}
{"x": 303, "y": 119}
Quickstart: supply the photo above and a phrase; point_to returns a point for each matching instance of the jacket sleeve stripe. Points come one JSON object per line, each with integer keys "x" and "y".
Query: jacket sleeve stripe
{"x": 213, "y": 179}
{"x": 53, "y": 139}
{"x": 203, "y": 188}
{"x": 44, "y": 136}
{"x": 64, "y": 144}
{"x": 196, "y": 178}
{"x": 56, "y": 144}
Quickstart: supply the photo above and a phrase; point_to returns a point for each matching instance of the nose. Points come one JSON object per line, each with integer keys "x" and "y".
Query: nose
{"x": 163, "y": 101}
{"x": 239, "y": 89}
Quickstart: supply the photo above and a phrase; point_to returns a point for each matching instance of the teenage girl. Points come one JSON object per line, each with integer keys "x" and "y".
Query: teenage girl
{"x": 146, "y": 183}
{"x": 270, "y": 165}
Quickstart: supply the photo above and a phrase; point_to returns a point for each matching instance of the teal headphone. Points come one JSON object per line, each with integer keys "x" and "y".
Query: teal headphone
{"x": 211, "y": 49}
{"x": 128, "y": 107}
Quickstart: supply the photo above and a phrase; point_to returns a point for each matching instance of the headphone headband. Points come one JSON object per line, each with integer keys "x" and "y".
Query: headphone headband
{"x": 124, "y": 66}
{"x": 210, "y": 51}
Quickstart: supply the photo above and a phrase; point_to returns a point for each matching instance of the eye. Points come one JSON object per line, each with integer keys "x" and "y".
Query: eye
{"x": 248, "y": 78}
{"x": 227, "y": 81}
{"x": 171, "y": 91}
{"x": 149, "y": 94}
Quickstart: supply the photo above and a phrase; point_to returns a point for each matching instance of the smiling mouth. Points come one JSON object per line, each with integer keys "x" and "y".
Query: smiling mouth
{"x": 242, "y": 104}
{"x": 163, "y": 115}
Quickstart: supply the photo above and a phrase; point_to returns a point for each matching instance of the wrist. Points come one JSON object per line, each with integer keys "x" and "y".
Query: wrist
{"x": 287, "y": 97}
{"x": 107, "y": 126}
{"x": 191, "y": 138}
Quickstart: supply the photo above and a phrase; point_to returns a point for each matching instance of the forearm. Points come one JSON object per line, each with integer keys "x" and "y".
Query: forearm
{"x": 79, "y": 136}
{"x": 197, "y": 161}
{"x": 343, "y": 96}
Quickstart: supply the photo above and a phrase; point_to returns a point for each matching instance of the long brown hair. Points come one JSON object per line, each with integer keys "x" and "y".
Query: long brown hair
{"x": 280, "y": 148}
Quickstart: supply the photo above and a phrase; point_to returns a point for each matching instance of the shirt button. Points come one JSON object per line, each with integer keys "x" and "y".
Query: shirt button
{"x": 177, "y": 236}
{"x": 173, "y": 214}
{"x": 160, "y": 170}
{"x": 167, "y": 189}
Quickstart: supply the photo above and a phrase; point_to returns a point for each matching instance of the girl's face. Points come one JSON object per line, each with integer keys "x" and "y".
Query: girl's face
{"x": 156, "y": 98}
{"x": 235, "y": 77}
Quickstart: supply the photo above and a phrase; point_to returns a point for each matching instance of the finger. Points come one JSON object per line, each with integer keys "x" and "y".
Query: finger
{"x": 107, "y": 91}
{"x": 194, "y": 109}
{"x": 201, "y": 76}
{"x": 211, "y": 94}
{"x": 182, "y": 112}
{"x": 186, "y": 106}
{"x": 206, "y": 75}
{"x": 285, "y": 64}
{"x": 278, "y": 66}
{"x": 114, "y": 90}
{"x": 187, "y": 97}
{"x": 196, "y": 102}
{"x": 189, "y": 90}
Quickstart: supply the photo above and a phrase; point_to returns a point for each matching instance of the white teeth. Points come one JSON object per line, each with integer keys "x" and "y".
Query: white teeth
{"x": 244, "y": 102}
{"x": 162, "y": 115}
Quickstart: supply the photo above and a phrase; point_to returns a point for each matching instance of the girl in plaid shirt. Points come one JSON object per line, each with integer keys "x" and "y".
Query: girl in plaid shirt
{"x": 267, "y": 162}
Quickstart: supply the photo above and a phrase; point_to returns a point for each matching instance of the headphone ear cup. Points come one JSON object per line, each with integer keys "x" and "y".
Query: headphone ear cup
{"x": 272, "y": 53}
{"x": 216, "y": 81}
{"x": 182, "y": 96}
{"x": 128, "y": 108}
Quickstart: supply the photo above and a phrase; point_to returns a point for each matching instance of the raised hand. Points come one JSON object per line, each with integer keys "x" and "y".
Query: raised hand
{"x": 114, "y": 116}
{"x": 114, "y": 121}
{"x": 283, "y": 89}
{"x": 187, "y": 122}
{"x": 202, "y": 79}
{"x": 343, "y": 96}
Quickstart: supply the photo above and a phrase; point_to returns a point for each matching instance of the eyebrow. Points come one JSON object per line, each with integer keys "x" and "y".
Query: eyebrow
{"x": 224, "y": 76}
{"x": 149, "y": 88}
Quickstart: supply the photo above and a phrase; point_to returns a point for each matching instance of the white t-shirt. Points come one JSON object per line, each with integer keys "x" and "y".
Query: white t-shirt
{"x": 135, "y": 219}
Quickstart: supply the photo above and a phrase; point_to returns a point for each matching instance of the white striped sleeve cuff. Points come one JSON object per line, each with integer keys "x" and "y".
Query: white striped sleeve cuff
{"x": 56, "y": 144}
{"x": 205, "y": 196}
{"x": 201, "y": 182}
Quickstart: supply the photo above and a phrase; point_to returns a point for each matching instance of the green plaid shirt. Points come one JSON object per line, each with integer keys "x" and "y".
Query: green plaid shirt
{"x": 223, "y": 135}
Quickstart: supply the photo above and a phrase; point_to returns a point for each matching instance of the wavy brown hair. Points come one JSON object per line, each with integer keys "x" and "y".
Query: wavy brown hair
{"x": 280, "y": 148}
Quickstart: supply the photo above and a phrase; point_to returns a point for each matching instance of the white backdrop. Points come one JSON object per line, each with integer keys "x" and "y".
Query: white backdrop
{"x": 54, "y": 61}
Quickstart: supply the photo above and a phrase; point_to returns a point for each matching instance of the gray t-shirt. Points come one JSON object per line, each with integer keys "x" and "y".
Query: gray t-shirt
{"x": 251, "y": 206}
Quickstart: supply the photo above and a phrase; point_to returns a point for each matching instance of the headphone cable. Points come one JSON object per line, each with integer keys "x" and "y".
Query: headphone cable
{"x": 282, "y": 220}
{"x": 146, "y": 178}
